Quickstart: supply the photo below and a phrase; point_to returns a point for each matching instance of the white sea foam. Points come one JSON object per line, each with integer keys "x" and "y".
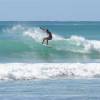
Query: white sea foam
{"x": 37, "y": 34}
{"x": 14, "y": 29}
{"x": 25, "y": 71}
{"x": 88, "y": 45}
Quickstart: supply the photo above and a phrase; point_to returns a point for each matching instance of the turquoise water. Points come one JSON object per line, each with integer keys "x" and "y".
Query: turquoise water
{"x": 67, "y": 70}
{"x": 72, "y": 42}
{"x": 50, "y": 90}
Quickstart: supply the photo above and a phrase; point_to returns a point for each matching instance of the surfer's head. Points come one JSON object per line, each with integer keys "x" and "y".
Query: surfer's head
{"x": 47, "y": 30}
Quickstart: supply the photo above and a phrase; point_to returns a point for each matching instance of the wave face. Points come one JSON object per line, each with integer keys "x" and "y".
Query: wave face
{"x": 23, "y": 71}
{"x": 22, "y": 43}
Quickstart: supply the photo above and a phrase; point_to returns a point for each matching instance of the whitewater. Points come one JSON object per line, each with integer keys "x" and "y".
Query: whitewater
{"x": 73, "y": 54}
{"x": 23, "y": 71}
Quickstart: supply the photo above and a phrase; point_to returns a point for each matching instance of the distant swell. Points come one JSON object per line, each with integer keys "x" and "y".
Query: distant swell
{"x": 28, "y": 71}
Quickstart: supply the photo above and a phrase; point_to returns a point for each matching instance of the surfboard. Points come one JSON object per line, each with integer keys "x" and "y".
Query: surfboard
{"x": 47, "y": 45}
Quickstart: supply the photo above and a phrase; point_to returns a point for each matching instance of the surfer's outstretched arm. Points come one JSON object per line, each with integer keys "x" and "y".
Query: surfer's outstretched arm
{"x": 42, "y": 29}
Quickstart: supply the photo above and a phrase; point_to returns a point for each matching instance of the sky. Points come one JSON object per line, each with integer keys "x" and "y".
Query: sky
{"x": 49, "y": 10}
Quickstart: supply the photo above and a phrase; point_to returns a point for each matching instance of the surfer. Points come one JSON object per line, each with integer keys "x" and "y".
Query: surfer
{"x": 49, "y": 37}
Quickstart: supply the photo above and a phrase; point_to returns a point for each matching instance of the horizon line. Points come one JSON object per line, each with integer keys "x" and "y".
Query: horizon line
{"x": 55, "y": 20}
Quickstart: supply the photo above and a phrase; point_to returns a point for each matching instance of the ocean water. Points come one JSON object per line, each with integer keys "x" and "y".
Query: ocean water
{"x": 67, "y": 69}
{"x": 72, "y": 42}
{"x": 80, "y": 89}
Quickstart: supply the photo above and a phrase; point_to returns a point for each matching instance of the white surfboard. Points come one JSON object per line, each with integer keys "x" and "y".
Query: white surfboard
{"x": 47, "y": 45}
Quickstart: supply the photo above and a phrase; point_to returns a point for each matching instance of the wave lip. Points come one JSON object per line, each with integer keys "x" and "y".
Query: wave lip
{"x": 23, "y": 71}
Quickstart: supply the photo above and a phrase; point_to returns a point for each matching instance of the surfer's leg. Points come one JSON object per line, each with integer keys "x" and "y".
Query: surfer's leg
{"x": 44, "y": 40}
{"x": 47, "y": 41}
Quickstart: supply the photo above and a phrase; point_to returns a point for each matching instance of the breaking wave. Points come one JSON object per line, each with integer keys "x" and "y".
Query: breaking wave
{"x": 25, "y": 43}
{"x": 73, "y": 43}
{"x": 29, "y": 71}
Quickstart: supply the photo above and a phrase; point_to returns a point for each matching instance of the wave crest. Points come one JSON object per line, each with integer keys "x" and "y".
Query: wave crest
{"x": 88, "y": 45}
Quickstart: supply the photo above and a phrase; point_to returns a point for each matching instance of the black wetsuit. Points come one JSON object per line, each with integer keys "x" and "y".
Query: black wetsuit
{"x": 49, "y": 35}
